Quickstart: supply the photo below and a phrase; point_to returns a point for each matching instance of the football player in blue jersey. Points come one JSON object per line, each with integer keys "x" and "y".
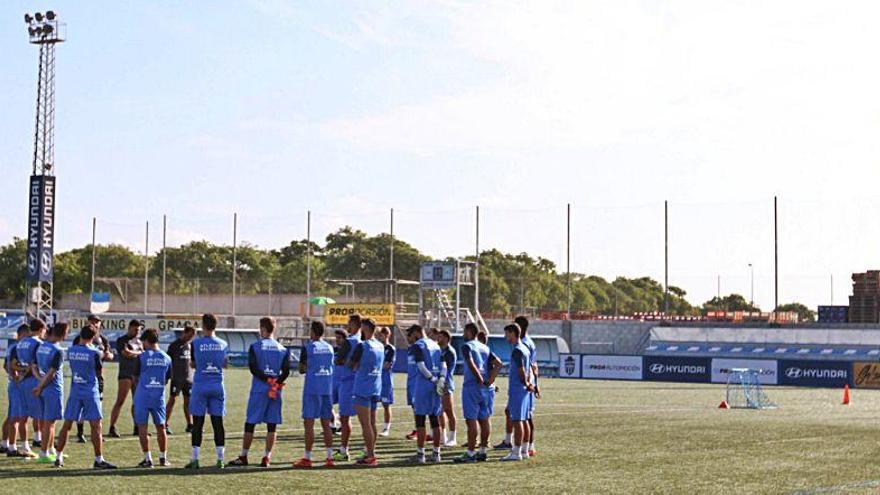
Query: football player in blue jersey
{"x": 84, "y": 403}
{"x": 366, "y": 361}
{"x": 426, "y": 400}
{"x": 346, "y": 385}
{"x": 154, "y": 372}
{"x": 447, "y": 418}
{"x": 384, "y": 336}
{"x": 529, "y": 442}
{"x": 412, "y": 373}
{"x": 16, "y": 424}
{"x": 209, "y": 359}
{"x": 519, "y": 387}
{"x": 481, "y": 367}
{"x": 26, "y": 355}
{"x": 316, "y": 363}
{"x": 269, "y": 364}
{"x": 50, "y": 388}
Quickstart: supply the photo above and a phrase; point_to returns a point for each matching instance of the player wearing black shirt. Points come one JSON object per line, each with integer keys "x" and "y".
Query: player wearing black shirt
{"x": 128, "y": 347}
{"x": 181, "y": 375}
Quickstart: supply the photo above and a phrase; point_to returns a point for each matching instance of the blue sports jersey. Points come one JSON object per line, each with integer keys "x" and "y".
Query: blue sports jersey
{"x": 209, "y": 353}
{"x": 479, "y": 353}
{"x": 387, "y": 382}
{"x": 51, "y": 355}
{"x": 518, "y": 357}
{"x": 320, "y": 371}
{"x": 27, "y": 351}
{"x": 271, "y": 357}
{"x": 352, "y": 343}
{"x": 428, "y": 352}
{"x": 450, "y": 358}
{"x": 85, "y": 361}
{"x": 155, "y": 371}
{"x": 369, "y": 355}
{"x": 10, "y": 355}
{"x": 530, "y": 345}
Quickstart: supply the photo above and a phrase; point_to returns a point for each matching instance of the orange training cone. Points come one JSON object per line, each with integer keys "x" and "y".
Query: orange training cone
{"x": 723, "y": 405}
{"x": 846, "y": 399}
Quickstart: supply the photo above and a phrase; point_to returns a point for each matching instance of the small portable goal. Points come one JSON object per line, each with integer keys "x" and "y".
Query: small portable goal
{"x": 744, "y": 391}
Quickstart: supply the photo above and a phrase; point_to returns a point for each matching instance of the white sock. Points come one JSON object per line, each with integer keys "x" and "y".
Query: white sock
{"x": 13, "y": 447}
{"x": 44, "y": 453}
{"x": 308, "y": 455}
{"x": 38, "y": 436}
{"x": 59, "y": 454}
{"x": 471, "y": 453}
{"x": 436, "y": 450}
{"x": 162, "y": 455}
{"x": 220, "y": 451}
{"x": 195, "y": 453}
{"x": 148, "y": 456}
{"x": 516, "y": 451}
{"x": 330, "y": 453}
{"x": 267, "y": 454}
{"x": 532, "y": 446}
{"x": 420, "y": 451}
{"x": 387, "y": 426}
{"x": 99, "y": 458}
{"x": 482, "y": 450}
{"x": 4, "y": 444}
{"x": 244, "y": 452}
{"x": 343, "y": 449}
{"x": 453, "y": 436}
{"x": 26, "y": 446}
{"x": 443, "y": 433}
{"x": 507, "y": 437}
{"x": 524, "y": 449}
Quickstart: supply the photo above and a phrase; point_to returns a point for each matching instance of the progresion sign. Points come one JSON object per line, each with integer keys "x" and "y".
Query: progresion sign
{"x": 337, "y": 314}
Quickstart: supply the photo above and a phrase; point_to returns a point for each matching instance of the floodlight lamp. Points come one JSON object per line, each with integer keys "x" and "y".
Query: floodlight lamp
{"x": 47, "y": 28}
{"x": 50, "y": 15}
{"x": 28, "y": 18}
{"x": 39, "y": 17}
{"x": 32, "y": 31}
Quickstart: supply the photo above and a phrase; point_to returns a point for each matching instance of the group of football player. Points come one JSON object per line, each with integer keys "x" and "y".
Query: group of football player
{"x": 343, "y": 381}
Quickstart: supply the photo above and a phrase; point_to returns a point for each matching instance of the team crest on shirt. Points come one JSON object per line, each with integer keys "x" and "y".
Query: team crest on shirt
{"x": 210, "y": 368}
{"x": 269, "y": 371}
{"x": 324, "y": 371}
{"x": 154, "y": 383}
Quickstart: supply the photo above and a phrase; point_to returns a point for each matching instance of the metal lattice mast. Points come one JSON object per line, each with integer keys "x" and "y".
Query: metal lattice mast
{"x": 44, "y": 30}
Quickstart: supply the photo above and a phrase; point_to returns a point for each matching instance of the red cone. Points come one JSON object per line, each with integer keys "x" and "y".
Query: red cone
{"x": 723, "y": 405}
{"x": 846, "y": 398}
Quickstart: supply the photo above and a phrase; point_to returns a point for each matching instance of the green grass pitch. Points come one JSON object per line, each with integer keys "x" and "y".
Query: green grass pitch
{"x": 593, "y": 437}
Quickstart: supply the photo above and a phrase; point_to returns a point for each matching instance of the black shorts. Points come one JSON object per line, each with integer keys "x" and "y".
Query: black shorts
{"x": 133, "y": 378}
{"x": 178, "y": 387}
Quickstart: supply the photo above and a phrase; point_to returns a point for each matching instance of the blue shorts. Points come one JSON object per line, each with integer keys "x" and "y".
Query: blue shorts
{"x": 335, "y": 392}
{"x": 368, "y": 402}
{"x": 31, "y": 406}
{"x": 387, "y": 396}
{"x": 15, "y": 407}
{"x": 475, "y": 402}
{"x": 426, "y": 402}
{"x": 531, "y": 403}
{"x": 450, "y": 385}
{"x": 490, "y": 398}
{"x": 83, "y": 408}
{"x": 518, "y": 407}
{"x": 144, "y": 409}
{"x": 346, "y": 399}
{"x": 317, "y": 407}
{"x": 410, "y": 392}
{"x": 208, "y": 399}
{"x": 262, "y": 409}
{"x": 52, "y": 405}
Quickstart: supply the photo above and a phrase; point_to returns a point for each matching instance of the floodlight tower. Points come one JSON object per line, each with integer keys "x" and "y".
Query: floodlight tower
{"x": 44, "y": 30}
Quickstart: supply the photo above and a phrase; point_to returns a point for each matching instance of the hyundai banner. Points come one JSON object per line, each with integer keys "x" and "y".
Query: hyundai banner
{"x": 815, "y": 373}
{"x": 766, "y": 369}
{"x": 41, "y": 229}
{"x": 569, "y": 366}
{"x": 612, "y": 367}
{"x": 677, "y": 369}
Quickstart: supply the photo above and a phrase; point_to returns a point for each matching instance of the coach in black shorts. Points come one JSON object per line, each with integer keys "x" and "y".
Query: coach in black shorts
{"x": 129, "y": 347}
{"x": 101, "y": 343}
{"x": 181, "y": 375}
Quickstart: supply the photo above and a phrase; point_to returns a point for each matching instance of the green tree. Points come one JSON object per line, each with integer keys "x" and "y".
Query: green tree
{"x": 12, "y": 269}
{"x": 732, "y": 302}
{"x": 804, "y": 313}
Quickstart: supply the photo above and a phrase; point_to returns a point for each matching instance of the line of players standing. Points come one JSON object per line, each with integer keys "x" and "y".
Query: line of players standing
{"x": 356, "y": 375}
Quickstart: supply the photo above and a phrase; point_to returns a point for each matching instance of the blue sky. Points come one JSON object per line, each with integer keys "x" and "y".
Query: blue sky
{"x": 270, "y": 108}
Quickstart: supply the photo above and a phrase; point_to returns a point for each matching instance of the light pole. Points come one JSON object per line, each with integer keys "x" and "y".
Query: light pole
{"x": 752, "y": 270}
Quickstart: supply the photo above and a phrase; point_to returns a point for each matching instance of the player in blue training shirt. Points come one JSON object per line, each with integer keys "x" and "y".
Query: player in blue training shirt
{"x": 447, "y": 417}
{"x": 154, "y": 372}
{"x": 366, "y": 361}
{"x": 519, "y": 386}
{"x": 412, "y": 374}
{"x": 26, "y": 353}
{"x": 384, "y": 336}
{"x": 17, "y": 416}
{"x": 529, "y": 442}
{"x": 208, "y": 394}
{"x": 50, "y": 388}
{"x": 269, "y": 364}
{"x": 346, "y": 385}
{"x": 316, "y": 363}
{"x": 432, "y": 370}
{"x": 481, "y": 367}
{"x": 84, "y": 402}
